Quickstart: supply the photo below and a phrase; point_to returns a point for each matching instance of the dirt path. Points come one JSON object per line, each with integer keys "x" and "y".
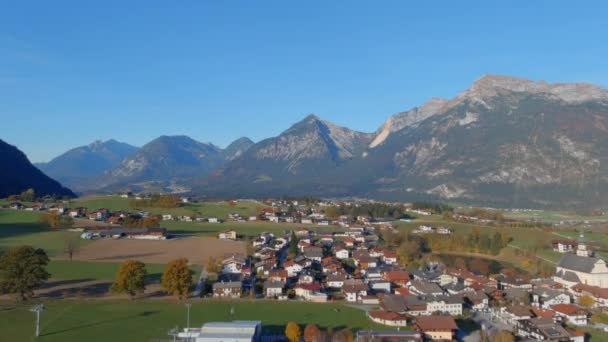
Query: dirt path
{"x": 536, "y": 256}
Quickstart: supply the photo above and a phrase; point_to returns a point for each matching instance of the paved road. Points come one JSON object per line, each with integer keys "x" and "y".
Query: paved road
{"x": 201, "y": 283}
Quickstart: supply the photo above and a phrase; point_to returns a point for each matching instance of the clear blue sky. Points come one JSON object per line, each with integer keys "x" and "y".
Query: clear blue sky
{"x": 75, "y": 71}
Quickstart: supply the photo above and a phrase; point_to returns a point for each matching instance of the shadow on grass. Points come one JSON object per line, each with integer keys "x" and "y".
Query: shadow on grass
{"x": 11, "y": 230}
{"x": 51, "y": 284}
{"x": 102, "y": 322}
{"x": 93, "y": 290}
{"x": 127, "y": 256}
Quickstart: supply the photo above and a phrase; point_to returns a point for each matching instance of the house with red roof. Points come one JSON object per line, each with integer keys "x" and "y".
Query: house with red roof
{"x": 397, "y": 278}
{"x": 392, "y": 319}
{"x": 437, "y": 328}
{"x": 571, "y": 313}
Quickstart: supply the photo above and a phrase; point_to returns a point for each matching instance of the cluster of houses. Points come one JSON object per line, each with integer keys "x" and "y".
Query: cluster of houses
{"x": 348, "y": 265}
{"x": 189, "y": 218}
{"x": 125, "y": 233}
{"x": 425, "y": 229}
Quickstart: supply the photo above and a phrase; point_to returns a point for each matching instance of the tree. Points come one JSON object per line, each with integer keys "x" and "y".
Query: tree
{"x": 23, "y": 269}
{"x": 293, "y": 332}
{"x": 71, "y": 247}
{"x": 480, "y": 265}
{"x": 293, "y": 245}
{"x": 332, "y": 212}
{"x": 460, "y": 264}
{"x": 54, "y": 220}
{"x": 494, "y": 267}
{"x": 344, "y": 335}
{"x": 312, "y": 333}
{"x": 28, "y": 195}
{"x": 213, "y": 265}
{"x": 177, "y": 278}
{"x": 586, "y": 301}
{"x": 503, "y": 336}
{"x": 130, "y": 278}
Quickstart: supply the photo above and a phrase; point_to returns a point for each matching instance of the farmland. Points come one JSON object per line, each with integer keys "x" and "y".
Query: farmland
{"x": 75, "y": 320}
{"x": 195, "y": 249}
{"x": 203, "y": 209}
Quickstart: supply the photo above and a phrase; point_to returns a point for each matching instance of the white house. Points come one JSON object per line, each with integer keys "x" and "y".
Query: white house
{"x": 342, "y": 253}
{"x": 292, "y": 268}
{"x": 354, "y": 292}
{"x": 273, "y": 288}
{"x": 233, "y": 264}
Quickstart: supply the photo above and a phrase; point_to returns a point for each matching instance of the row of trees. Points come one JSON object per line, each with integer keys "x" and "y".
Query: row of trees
{"x": 146, "y": 222}
{"x": 157, "y": 201}
{"x": 23, "y": 269}
{"x": 366, "y": 209}
{"x": 412, "y": 249}
{"x": 435, "y": 208}
{"x": 312, "y": 333}
{"x": 55, "y": 221}
{"x": 28, "y": 195}
{"x": 131, "y": 278}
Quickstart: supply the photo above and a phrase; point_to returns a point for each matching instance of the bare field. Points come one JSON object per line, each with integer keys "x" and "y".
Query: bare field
{"x": 196, "y": 249}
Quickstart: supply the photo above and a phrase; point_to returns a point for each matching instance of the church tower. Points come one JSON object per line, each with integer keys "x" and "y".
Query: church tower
{"x": 581, "y": 248}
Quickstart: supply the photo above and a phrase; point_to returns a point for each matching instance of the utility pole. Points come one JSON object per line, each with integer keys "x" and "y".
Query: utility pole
{"x": 38, "y": 308}
{"x": 188, "y": 306}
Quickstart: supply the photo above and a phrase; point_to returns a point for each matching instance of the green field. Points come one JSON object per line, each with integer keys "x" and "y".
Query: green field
{"x": 549, "y": 216}
{"x": 247, "y": 229}
{"x": 202, "y": 209}
{"x": 19, "y": 227}
{"x": 76, "y": 270}
{"x": 71, "y": 320}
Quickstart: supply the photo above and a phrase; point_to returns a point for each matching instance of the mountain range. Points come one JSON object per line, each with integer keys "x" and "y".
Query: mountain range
{"x": 504, "y": 141}
{"x": 85, "y": 162}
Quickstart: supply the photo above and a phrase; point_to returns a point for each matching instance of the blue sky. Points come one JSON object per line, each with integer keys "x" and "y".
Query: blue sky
{"x": 75, "y": 71}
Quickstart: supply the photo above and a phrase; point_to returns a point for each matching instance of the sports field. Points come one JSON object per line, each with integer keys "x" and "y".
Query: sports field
{"x": 75, "y": 320}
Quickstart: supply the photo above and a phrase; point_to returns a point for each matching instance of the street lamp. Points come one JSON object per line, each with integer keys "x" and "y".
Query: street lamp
{"x": 188, "y": 306}
{"x": 38, "y": 308}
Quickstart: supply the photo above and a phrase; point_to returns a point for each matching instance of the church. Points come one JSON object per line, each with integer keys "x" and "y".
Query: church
{"x": 582, "y": 267}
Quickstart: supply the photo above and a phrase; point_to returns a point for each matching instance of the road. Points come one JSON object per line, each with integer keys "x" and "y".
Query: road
{"x": 200, "y": 286}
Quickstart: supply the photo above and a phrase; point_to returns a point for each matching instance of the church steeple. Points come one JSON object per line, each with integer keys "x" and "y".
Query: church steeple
{"x": 581, "y": 248}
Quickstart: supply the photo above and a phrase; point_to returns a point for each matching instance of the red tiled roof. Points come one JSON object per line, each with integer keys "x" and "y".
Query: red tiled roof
{"x": 538, "y": 312}
{"x": 309, "y": 287}
{"x": 397, "y": 276}
{"x": 436, "y": 323}
{"x": 567, "y": 309}
{"x": 402, "y": 291}
{"x": 386, "y": 315}
{"x": 594, "y": 290}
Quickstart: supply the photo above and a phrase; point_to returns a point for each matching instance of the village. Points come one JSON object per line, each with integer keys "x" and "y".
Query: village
{"x": 345, "y": 259}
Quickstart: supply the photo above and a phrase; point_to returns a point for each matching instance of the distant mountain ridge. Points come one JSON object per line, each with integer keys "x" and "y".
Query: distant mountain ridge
{"x": 84, "y": 162}
{"x": 17, "y": 174}
{"x": 504, "y": 141}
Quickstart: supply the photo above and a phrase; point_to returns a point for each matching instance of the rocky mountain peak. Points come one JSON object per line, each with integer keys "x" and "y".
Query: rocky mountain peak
{"x": 408, "y": 118}
{"x": 489, "y": 86}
